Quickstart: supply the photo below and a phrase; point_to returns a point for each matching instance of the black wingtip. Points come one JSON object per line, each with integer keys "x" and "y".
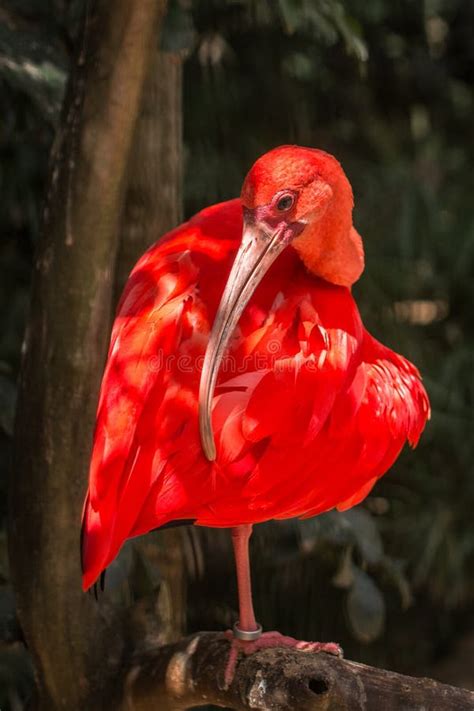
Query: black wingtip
{"x": 176, "y": 523}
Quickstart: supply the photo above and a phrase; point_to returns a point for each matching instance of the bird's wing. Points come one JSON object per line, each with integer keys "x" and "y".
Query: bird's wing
{"x": 360, "y": 433}
{"x": 326, "y": 420}
{"x": 148, "y": 393}
{"x": 390, "y": 408}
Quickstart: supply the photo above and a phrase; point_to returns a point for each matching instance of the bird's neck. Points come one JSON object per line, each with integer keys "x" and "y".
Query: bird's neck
{"x": 331, "y": 248}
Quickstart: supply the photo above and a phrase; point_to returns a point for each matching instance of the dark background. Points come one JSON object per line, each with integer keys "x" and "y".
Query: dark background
{"x": 387, "y": 87}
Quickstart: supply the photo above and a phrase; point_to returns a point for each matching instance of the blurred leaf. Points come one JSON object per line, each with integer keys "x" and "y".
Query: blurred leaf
{"x": 29, "y": 61}
{"x": 354, "y": 528}
{"x": 299, "y": 66}
{"x": 331, "y": 527}
{"x": 367, "y": 535}
{"x": 344, "y": 578}
{"x": 291, "y": 14}
{"x": 365, "y": 608}
{"x": 395, "y": 574}
{"x": 327, "y": 19}
{"x": 350, "y": 30}
{"x": 178, "y": 33}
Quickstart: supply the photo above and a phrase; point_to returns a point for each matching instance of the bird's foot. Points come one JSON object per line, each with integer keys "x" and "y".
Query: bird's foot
{"x": 272, "y": 640}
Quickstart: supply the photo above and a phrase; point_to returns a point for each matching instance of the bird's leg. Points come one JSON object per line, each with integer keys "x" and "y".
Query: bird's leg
{"x": 247, "y": 636}
{"x": 246, "y": 628}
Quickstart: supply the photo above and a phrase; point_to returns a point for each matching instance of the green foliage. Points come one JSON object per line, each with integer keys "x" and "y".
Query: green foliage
{"x": 30, "y": 64}
{"x": 355, "y": 538}
{"x": 326, "y": 20}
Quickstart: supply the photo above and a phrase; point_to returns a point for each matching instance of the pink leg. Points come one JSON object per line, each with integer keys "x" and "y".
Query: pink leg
{"x": 240, "y": 539}
{"x": 247, "y": 636}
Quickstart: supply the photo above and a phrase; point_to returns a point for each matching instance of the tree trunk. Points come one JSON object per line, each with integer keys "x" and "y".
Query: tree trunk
{"x": 74, "y": 647}
{"x": 153, "y": 205}
{"x": 153, "y": 200}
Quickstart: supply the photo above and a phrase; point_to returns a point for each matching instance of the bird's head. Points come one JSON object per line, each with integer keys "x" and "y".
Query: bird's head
{"x": 291, "y": 195}
{"x": 301, "y": 196}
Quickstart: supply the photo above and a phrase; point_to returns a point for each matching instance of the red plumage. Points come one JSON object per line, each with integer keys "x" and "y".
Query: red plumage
{"x": 309, "y": 409}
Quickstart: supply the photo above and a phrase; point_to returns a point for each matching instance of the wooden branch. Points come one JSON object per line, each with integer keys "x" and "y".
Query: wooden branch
{"x": 191, "y": 673}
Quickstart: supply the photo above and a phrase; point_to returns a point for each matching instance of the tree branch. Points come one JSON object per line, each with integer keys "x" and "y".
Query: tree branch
{"x": 191, "y": 672}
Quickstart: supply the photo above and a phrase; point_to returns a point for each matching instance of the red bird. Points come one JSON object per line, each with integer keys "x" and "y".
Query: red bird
{"x": 241, "y": 384}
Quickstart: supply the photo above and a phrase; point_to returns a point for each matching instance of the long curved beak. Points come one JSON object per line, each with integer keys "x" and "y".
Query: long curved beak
{"x": 256, "y": 254}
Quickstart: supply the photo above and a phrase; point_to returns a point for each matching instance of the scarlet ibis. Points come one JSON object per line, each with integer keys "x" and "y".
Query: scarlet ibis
{"x": 241, "y": 385}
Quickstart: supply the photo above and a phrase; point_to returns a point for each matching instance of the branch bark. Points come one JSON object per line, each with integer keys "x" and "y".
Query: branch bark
{"x": 64, "y": 350}
{"x": 191, "y": 673}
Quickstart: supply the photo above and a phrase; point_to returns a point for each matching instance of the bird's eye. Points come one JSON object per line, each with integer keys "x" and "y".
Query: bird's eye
{"x": 285, "y": 202}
